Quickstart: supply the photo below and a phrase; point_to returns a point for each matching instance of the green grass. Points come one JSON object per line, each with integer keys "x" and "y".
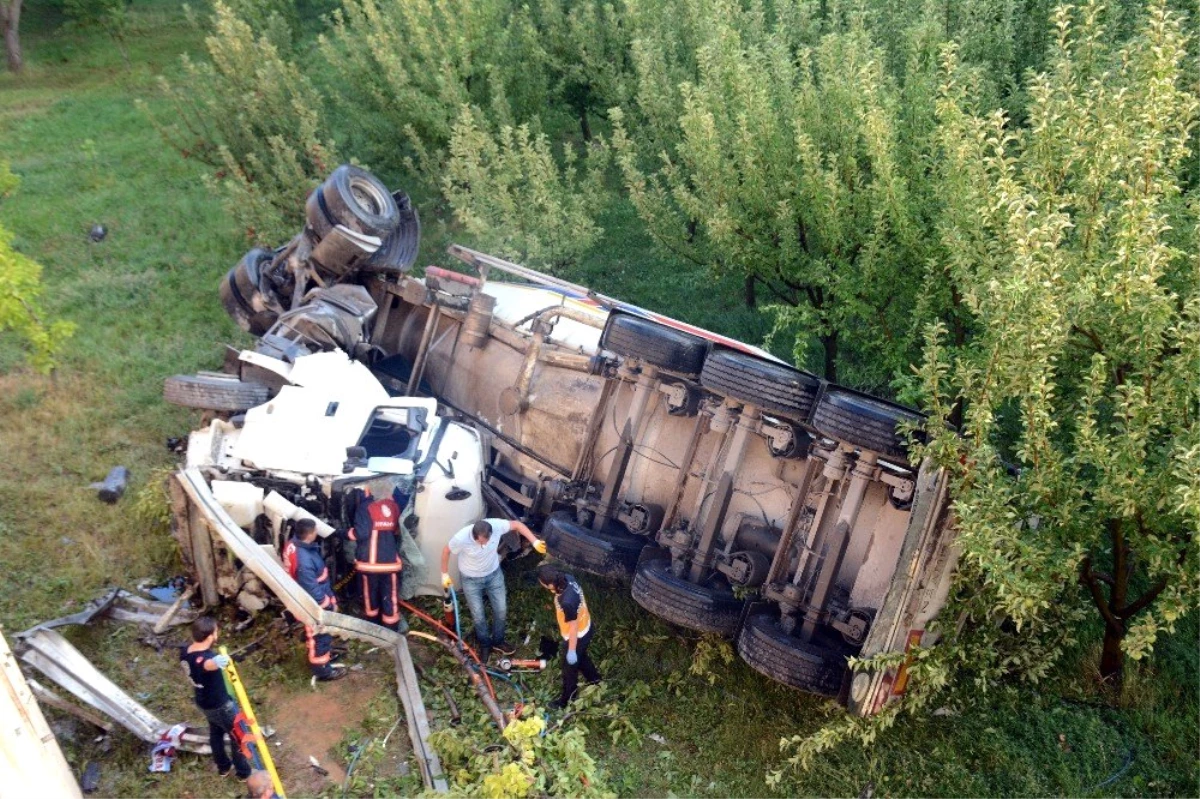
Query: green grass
{"x": 146, "y": 305}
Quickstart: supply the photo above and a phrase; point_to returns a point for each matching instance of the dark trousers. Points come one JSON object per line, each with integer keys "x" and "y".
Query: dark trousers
{"x": 220, "y": 726}
{"x": 381, "y": 598}
{"x": 320, "y": 651}
{"x": 584, "y": 664}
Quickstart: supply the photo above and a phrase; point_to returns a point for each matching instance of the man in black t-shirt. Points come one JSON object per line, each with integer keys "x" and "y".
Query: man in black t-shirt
{"x": 203, "y": 667}
{"x": 575, "y": 626}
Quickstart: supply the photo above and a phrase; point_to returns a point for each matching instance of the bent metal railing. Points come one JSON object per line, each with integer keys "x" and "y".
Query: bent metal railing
{"x": 216, "y": 521}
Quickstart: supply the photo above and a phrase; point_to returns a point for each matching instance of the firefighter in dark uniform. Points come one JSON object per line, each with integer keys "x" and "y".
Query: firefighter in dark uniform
{"x": 313, "y": 576}
{"x": 376, "y": 534}
{"x": 575, "y": 626}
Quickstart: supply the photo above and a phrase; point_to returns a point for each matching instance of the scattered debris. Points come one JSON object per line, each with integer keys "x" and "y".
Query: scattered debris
{"x": 658, "y": 739}
{"x": 389, "y": 734}
{"x": 98, "y": 233}
{"x": 241, "y": 654}
{"x": 316, "y": 766}
{"x": 90, "y": 780}
{"x": 113, "y": 486}
{"x": 168, "y": 591}
{"x": 163, "y": 753}
{"x": 48, "y": 652}
{"x": 164, "y": 621}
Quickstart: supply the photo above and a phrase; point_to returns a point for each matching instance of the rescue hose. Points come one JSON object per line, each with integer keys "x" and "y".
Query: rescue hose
{"x": 457, "y": 623}
{"x": 461, "y": 643}
{"x": 510, "y": 681}
{"x": 481, "y": 689}
{"x": 426, "y": 636}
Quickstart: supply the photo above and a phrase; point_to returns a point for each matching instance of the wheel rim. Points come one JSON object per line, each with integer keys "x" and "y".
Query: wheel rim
{"x": 367, "y": 196}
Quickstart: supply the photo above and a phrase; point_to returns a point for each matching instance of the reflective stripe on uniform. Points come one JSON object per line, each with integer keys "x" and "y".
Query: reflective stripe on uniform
{"x": 379, "y": 568}
{"x": 395, "y": 603}
{"x": 368, "y": 611}
{"x": 313, "y": 657}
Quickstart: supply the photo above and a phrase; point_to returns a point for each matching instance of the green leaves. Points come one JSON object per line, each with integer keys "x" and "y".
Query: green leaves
{"x": 1057, "y": 235}
{"x": 253, "y": 116}
{"x": 788, "y": 165}
{"x": 21, "y": 293}
{"x": 506, "y": 186}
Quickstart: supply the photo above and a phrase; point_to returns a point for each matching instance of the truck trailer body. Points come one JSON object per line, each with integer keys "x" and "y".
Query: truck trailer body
{"x": 728, "y": 491}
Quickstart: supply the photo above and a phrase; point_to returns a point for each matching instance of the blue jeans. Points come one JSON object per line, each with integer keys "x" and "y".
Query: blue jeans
{"x": 220, "y": 726}
{"x": 474, "y": 589}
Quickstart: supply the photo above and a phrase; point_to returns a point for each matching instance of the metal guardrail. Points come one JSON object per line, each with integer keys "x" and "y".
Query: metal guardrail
{"x": 216, "y": 521}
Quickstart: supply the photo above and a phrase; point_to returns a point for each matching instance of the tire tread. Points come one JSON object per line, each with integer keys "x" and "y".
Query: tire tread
{"x": 213, "y": 393}
{"x": 772, "y": 387}
{"x": 611, "y": 554}
{"x": 685, "y": 604}
{"x": 659, "y": 345}
{"x": 787, "y": 660}
{"x": 861, "y": 428}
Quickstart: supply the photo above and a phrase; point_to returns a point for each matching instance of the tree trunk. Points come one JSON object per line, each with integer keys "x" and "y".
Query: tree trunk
{"x": 10, "y": 17}
{"x": 585, "y": 127}
{"x": 1112, "y": 658}
{"x": 830, "y": 342}
{"x": 751, "y": 293}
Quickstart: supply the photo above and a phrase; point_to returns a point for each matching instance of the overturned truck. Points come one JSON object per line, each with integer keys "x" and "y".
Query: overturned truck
{"x": 730, "y": 492}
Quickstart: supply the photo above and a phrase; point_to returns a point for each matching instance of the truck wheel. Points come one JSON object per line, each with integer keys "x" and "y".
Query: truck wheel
{"x": 697, "y": 607}
{"x": 355, "y": 198}
{"x": 399, "y": 250}
{"x": 864, "y": 421}
{"x": 239, "y": 286}
{"x": 807, "y": 666}
{"x": 774, "y": 387}
{"x": 214, "y": 392}
{"x": 612, "y": 552}
{"x": 659, "y": 345}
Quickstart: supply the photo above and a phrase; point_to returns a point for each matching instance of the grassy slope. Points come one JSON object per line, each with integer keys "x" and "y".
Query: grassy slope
{"x": 143, "y": 300}
{"x": 146, "y": 306}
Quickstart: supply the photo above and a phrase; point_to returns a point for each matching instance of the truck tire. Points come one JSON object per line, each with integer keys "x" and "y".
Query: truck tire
{"x": 399, "y": 250}
{"x": 240, "y": 285}
{"x": 772, "y": 652}
{"x": 612, "y": 552}
{"x": 658, "y": 345}
{"x": 697, "y": 607}
{"x": 774, "y": 387}
{"x": 864, "y": 421}
{"x": 355, "y": 198}
{"x": 214, "y": 392}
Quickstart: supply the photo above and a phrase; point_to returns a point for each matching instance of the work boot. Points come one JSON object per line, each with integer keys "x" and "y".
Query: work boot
{"x": 484, "y": 653}
{"x": 335, "y": 673}
{"x": 504, "y": 648}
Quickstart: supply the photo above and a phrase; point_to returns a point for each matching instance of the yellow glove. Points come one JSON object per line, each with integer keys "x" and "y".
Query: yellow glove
{"x": 447, "y": 583}
{"x": 540, "y": 546}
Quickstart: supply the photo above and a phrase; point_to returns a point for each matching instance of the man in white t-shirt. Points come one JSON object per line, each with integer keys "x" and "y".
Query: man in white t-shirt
{"x": 479, "y": 568}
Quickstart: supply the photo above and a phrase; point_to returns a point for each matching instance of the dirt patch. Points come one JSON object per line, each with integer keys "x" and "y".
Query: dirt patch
{"x": 313, "y": 723}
